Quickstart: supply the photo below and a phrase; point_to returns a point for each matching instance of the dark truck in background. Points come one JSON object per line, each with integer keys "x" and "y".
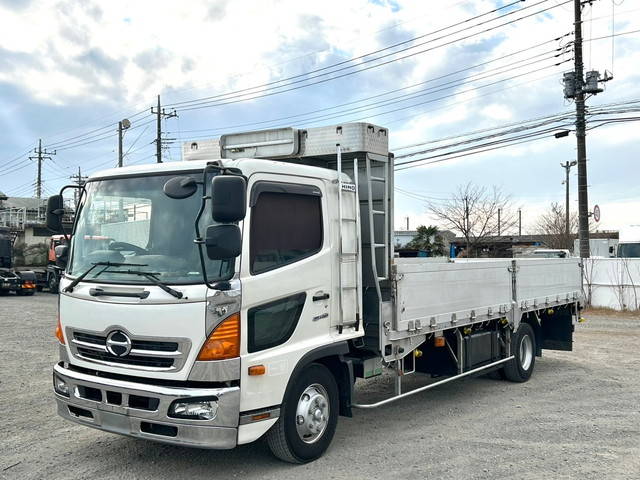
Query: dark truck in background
{"x": 20, "y": 282}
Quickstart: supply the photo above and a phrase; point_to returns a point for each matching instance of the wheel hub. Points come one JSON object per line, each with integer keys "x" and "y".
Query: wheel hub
{"x": 526, "y": 352}
{"x": 312, "y": 413}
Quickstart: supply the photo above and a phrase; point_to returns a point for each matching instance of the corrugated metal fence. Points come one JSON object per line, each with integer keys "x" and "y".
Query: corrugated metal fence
{"x": 612, "y": 282}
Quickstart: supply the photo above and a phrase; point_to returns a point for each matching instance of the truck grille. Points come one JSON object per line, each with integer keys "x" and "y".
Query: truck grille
{"x": 145, "y": 353}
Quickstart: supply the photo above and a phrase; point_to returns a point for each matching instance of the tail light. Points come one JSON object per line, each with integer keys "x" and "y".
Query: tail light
{"x": 224, "y": 341}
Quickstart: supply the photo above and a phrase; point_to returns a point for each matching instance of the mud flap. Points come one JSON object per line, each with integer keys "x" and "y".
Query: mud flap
{"x": 557, "y": 329}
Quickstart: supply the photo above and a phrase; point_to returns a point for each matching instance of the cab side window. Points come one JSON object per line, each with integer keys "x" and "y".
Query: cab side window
{"x": 286, "y": 226}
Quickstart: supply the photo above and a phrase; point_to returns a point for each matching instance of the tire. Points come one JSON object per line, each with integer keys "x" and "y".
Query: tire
{"x": 294, "y": 442}
{"x": 497, "y": 374}
{"x": 523, "y": 346}
{"x": 52, "y": 283}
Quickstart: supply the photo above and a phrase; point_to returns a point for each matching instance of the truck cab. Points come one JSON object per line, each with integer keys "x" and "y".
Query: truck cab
{"x": 133, "y": 356}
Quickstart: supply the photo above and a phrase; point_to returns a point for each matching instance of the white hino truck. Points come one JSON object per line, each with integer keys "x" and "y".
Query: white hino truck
{"x": 241, "y": 292}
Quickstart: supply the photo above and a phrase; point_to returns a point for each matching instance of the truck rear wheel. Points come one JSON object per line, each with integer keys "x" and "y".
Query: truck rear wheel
{"x": 523, "y": 347}
{"x": 308, "y": 417}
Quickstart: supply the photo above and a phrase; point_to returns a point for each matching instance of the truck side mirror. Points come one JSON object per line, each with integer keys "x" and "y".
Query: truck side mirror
{"x": 62, "y": 255}
{"x": 228, "y": 198}
{"x": 55, "y": 210}
{"x": 223, "y": 242}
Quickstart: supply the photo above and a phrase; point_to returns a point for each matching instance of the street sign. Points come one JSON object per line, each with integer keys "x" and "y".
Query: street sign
{"x": 596, "y": 213}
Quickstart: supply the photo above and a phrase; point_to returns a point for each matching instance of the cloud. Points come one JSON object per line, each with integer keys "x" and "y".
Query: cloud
{"x": 71, "y": 66}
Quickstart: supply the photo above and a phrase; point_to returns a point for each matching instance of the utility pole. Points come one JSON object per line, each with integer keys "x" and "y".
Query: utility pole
{"x": 577, "y": 86}
{"x": 160, "y": 114}
{"x": 499, "y": 212}
{"x": 466, "y": 222}
{"x": 583, "y": 197}
{"x": 122, "y": 126}
{"x": 79, "y": 179}
{"x": 567, "y": 224}
{"x": 42, "y": 155}
{"x": 519, "y": 222}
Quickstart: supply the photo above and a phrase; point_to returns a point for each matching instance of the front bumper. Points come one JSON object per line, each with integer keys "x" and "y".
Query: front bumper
{"x": 140, "y": 410}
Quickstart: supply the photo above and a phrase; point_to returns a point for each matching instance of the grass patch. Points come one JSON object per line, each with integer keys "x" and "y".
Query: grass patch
{"x": 610, "y": 312}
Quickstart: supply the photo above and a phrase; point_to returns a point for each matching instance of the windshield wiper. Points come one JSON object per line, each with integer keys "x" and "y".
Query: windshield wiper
{"x": 153, "y": 276}
{"x": 70, "y": 287}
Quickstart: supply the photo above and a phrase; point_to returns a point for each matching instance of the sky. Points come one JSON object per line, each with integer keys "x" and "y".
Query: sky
{"x": 70, "y": 70}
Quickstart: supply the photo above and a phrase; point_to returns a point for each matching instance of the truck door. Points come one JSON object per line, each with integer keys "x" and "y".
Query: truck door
{"x": 286, "y": 273}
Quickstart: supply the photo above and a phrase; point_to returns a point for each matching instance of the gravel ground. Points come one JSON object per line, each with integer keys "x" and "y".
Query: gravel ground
{"x": 578, "y": 417}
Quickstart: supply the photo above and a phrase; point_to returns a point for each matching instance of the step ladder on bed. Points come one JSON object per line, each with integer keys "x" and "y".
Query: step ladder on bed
{"x": 350, "y": 284}
{"x": 378, "y": 237}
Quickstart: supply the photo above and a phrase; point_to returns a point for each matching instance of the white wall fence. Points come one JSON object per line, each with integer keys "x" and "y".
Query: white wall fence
{"x": 613, "y": 282}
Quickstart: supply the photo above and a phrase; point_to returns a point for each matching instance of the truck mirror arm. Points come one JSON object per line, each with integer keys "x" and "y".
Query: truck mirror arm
{"x": 199, "y": 241}
{"x": 60, "y": 212}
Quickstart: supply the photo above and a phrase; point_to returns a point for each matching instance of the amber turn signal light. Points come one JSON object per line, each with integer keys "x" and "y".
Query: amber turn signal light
{"x": 59, "y": 334}
{"x": 224, "y": 341}
{"x": 257, "y": 370}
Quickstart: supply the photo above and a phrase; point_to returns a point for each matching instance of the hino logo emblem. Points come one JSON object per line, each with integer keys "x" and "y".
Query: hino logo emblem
{"x": 118, "y": 343}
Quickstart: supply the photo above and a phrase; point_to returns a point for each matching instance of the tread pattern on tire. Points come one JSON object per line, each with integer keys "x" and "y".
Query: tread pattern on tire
{"x": 278, "y": 443}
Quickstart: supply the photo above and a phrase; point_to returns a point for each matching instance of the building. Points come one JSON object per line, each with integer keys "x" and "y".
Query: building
{"x": 25, "y": 217}
{"x": 506, "y": 246}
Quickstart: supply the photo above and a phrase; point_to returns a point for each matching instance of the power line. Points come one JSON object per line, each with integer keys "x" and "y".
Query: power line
{"x": 233, "y": 94}
{"x": 546, "y": 131}
{"x": 476, "y": 139}
{"x": 439, "y": 160}
{"x": 199, "y": 103}
{"x": 515, "y": 140}
{"x": 97, "y": 133}
{"x": 333, "y": 116}
{"x": 405, "y": 97}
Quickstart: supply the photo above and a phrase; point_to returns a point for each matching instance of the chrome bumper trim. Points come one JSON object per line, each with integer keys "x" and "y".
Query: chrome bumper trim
{"x": 219, "y": 433}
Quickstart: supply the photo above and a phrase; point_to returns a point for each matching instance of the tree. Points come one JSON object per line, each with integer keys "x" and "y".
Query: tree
{"x": 428, "y": 239}
{"x": 553, "y": 224}
{"x": 473, "y": 211}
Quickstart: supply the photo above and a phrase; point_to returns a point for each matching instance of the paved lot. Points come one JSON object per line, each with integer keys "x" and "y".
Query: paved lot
{"x": 578, "y": 417}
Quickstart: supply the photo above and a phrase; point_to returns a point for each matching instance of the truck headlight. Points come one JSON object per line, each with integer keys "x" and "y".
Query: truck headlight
{"x": 194, "y": 409}
{"x": 60, "y": 386}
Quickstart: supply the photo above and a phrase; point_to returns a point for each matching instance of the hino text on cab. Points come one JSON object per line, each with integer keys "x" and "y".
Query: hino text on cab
{"x": 239, "y": 294}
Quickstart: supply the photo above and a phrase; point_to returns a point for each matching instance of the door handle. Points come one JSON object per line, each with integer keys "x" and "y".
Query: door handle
{"x": 320, "y": 296}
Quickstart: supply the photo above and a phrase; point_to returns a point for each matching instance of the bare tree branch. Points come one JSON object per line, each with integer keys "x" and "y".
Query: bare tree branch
{"x": 473, "y": 211}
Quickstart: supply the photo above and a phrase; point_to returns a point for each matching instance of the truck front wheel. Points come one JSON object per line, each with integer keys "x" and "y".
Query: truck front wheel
{"x": 308, "y": 417}
{"x": 523, "y": 347}
{"x": 53, "y": 283}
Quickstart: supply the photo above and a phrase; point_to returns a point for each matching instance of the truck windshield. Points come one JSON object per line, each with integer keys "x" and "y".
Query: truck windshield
{"x": 131, "y": 220}
{"x": 629, "y": 250}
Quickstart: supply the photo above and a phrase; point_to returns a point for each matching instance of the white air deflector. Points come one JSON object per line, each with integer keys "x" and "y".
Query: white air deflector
{"x": 273, "y": 143}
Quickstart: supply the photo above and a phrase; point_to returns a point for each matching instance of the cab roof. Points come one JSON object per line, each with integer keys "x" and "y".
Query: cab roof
{"x": 248, "y": 166}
